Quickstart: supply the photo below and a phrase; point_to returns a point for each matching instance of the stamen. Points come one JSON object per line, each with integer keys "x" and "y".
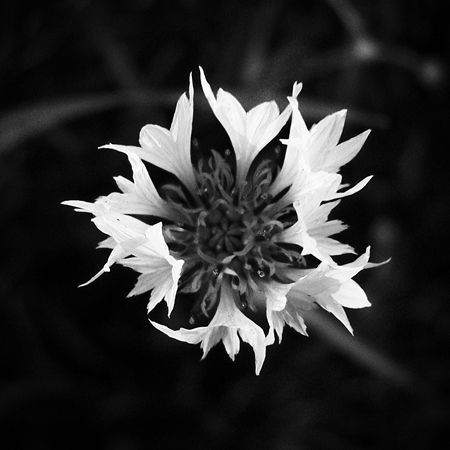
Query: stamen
{"x": 266, "y": 202}
{"x": 244, "y": 302}
{"x": 227, "y": 236}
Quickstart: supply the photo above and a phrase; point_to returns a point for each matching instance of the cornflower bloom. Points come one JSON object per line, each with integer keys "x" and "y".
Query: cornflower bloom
{"x": 235, "y": 228}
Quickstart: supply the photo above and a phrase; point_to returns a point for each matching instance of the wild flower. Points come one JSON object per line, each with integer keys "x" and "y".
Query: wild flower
{"x": 236, "y": 229}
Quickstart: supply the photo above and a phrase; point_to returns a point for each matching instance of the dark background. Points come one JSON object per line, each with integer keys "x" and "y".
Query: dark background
{"x": 83, "y": 366}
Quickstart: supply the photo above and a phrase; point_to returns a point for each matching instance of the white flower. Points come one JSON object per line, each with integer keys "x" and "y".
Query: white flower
{"x": 236, "y": 239}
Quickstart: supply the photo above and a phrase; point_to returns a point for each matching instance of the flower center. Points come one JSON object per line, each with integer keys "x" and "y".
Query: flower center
{"x": 227, "y": 232}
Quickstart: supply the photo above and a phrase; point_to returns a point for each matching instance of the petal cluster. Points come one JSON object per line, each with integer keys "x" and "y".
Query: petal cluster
{"x": 236, "y": 240}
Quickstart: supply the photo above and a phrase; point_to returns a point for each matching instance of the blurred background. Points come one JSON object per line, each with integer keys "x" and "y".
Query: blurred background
{"x": 84, "y": 366}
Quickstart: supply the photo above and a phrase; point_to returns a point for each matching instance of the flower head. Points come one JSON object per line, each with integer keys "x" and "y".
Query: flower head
{"x": 235, "y": 228}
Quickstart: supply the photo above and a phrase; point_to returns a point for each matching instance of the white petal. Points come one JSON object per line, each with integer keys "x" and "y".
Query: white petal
{"x": 87, "y": 207}
{"x": 161, "y": 272}
{"x": 324, "y": 137}
{"x": 227, "y": 325}
{"x": 310, "y": 230}
{"x": 168, "y": 149}
{"x": 351, "y": 295}
{"x": 344, "y": 152}
{"x": 353, "y": 190}
{"x": 234, "y": 321}
{"x": 140, "y": 197}
{"x": 278, "y": 322}
{"x": 124, "y": 230}
{"x": 291, "y": 316}
{"x": 332, "y": 247}
{"x": 274, "y": 305}
{"x": 228, "y": 111}
{"x": 332, "y": 287}
{"x": 107, "y": 243}
{"x": 155, "y": 242}
{"x": 190, "y": 336}
{"x": 128, "y": 149}
{"x": 258, "y": 119}
{"x": 231, "y": 114}
{"x": 145, "y": 189}
{"x": 121, "y": 227}
{"x": 117, "y": 254}
{"x": 161, "y": 150}
{"x": 297, "y": 301}
{"x": 295, "y": 168}
{"x": 181, "y": 130}
{"x": 275, "y": 294}
{"x": 333, "y": 307}
{"x": 348, "y": 271}
{"x": 307, "y": 183}
{"x": 322, "y": 227}
{"x": 320, "y": 287}
{"x": 299, "y": 131}
{"x": 233, "y": 118}
{"x": 294, "y": 174}
{"x": 161, "y": 275}
{"x": 181, "y": 127}
{"x": 248, "y": 132}
{"x": 264, "y": 122}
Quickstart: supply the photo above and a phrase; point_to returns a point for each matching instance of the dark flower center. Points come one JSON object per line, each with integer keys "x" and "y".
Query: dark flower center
{"x": 228, "y": 232}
